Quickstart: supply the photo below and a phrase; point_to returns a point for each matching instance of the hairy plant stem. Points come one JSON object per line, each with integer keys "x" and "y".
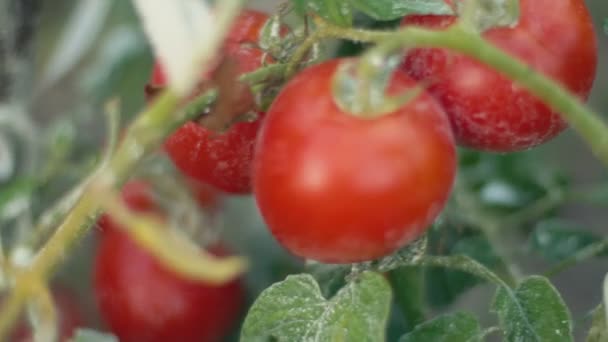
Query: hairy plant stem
{"x": 145, "y": 135}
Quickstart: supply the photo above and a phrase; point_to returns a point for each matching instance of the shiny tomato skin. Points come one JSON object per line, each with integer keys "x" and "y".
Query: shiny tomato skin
{"x": 487, "y": 110}
{"x": 142, "y": 301}
{"x": 69, "y": 315}
{"x": 339, "y": 189}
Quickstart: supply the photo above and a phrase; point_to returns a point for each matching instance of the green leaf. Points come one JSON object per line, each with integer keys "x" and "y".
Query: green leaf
{"x": 507, "y": 184}
{"x": 599, "y": 328}
{"x": 295, "y": 310}
{"x": 88, "y": 335}
{"x": 458, "y": 327}
{"x": 409, "y": 292}
{"x": 557, "y": 239}
{"x": 338, "y": 12}
{"x": 533, "y": 312}
{"x": 444, "y": 285}
{"x": 391, "y": 9}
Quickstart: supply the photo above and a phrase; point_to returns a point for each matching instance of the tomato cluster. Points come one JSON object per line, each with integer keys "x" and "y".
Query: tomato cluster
{"x": 336, "y": 186}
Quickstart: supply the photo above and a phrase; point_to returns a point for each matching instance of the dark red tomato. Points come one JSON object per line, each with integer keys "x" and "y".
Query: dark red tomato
{"x": 141, "y": 301}
{"x": 222, "y": 160}
{"x": 338, "y": 188}
{"x": 68, "y": 314}
{"x": 490, "y": 112}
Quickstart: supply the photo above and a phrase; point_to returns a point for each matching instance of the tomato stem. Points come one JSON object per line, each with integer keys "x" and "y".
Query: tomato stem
{"x": 585, "y": 121}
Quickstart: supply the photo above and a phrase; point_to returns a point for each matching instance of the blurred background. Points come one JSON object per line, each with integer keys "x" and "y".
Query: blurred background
{"x": 83, "y": 52}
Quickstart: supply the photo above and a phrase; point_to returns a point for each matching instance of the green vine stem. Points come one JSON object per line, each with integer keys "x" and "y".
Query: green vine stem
{"x": 144, "y": 135}
{"x": 586, "y": 122}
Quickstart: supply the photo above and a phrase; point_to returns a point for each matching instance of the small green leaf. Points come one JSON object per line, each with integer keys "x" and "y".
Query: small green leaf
{"x": 391, "y": 9}
{"x": 557, "y": 239}
{"x": 533, "y": 312}
{"x": 88, "y": 335}
{"x": 409, "y": 294}
{"x": 295, "y": 310}
{"x": 599, "y": 328}
{"x": 458, "y": 327}
{"x": 338, "y": 12}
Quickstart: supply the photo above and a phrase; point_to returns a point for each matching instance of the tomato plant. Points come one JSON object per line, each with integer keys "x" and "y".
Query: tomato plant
{"x": 370, "y": 142}
{"x": 487, "y": 110}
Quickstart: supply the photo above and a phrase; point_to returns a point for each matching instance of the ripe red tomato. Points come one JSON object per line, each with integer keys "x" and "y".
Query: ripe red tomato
{"x": 142, "y": 301}
{"x": 222, "y": 160}
{"x": 337, "y": 188}
{"x": 487, "y": 110}
{"x": 69, "y": 318}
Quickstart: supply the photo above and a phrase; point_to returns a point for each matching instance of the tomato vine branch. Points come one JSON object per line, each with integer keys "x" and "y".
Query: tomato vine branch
{"x": 586, "y": 122}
